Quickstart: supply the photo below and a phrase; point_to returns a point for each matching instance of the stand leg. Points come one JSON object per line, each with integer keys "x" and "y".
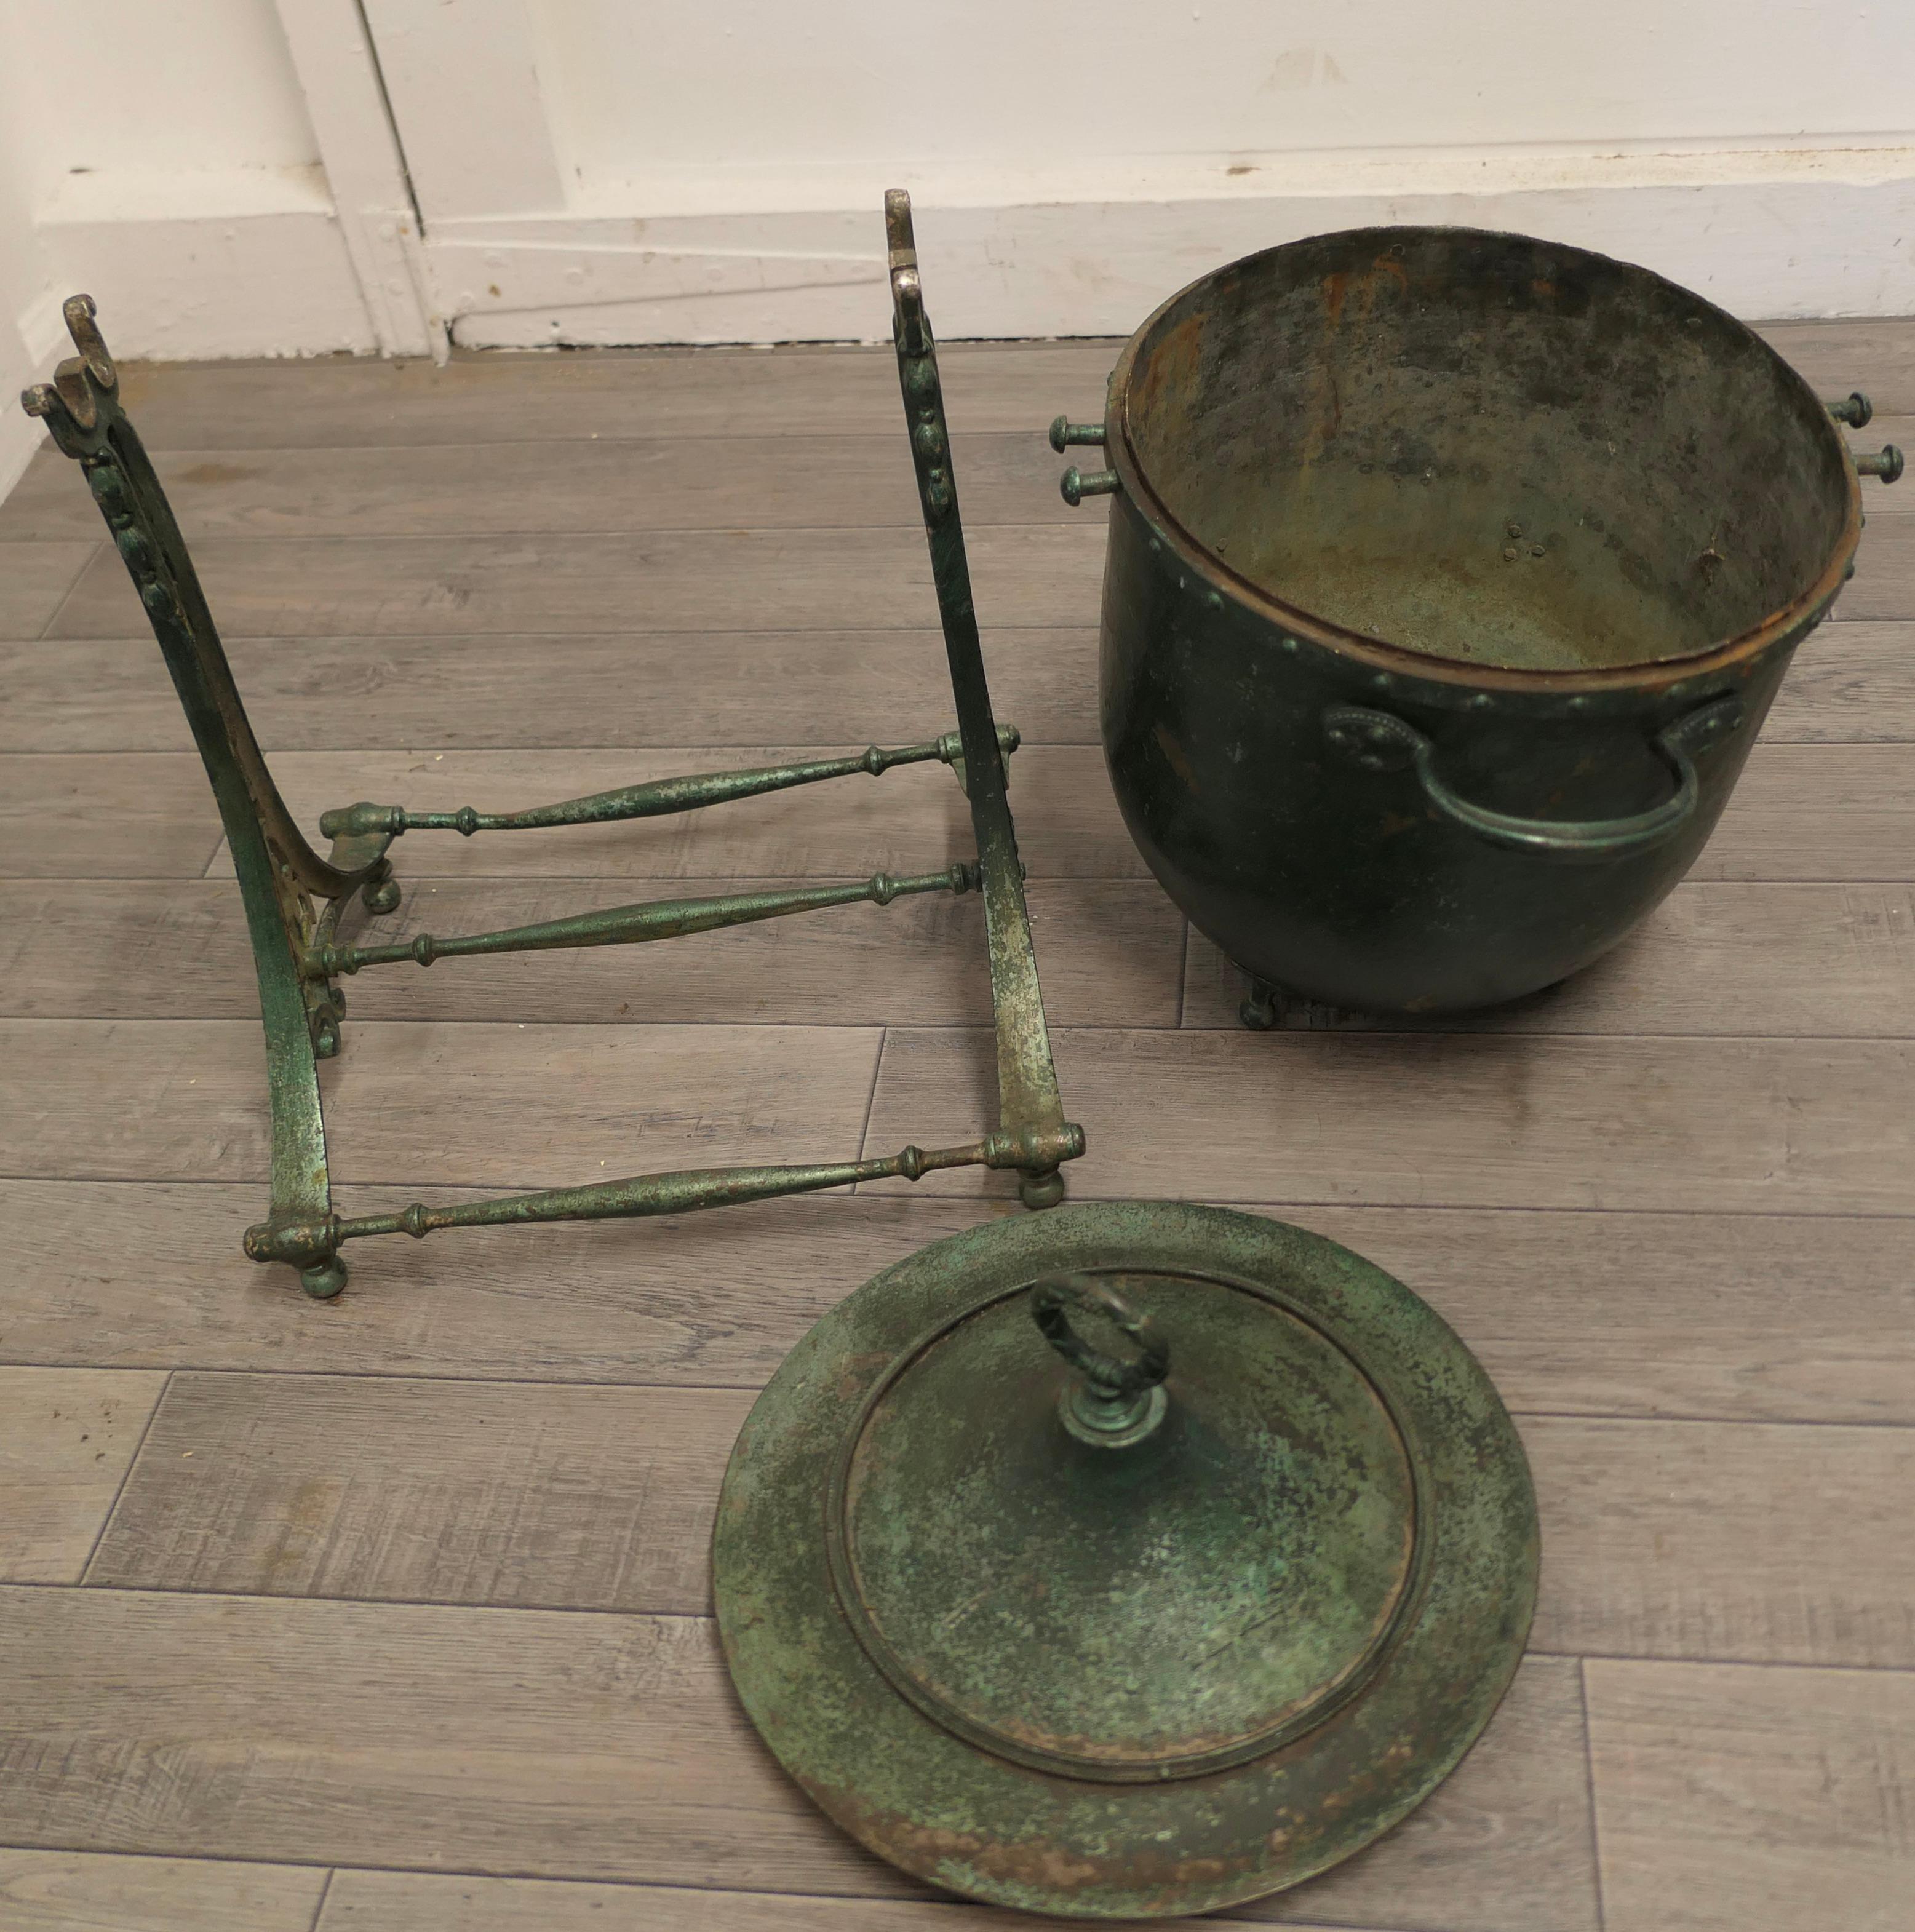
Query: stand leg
{"x": 1029, "y": 1107}
{"x": 279, "y": 874}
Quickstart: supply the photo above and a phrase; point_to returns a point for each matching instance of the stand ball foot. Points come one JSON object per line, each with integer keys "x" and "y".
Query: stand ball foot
{"x": 381, "y": 898}
{"x": 1040, "y": 1190}
{"x": 325, "y": 1281}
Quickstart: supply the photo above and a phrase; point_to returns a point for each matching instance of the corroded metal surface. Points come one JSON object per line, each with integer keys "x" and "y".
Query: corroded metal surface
{"x": 1027, "y": 1080}
{"x": 296, "y": 900}
{"x": 1534, "y": 515}
{"x": 1165, "y": 1673}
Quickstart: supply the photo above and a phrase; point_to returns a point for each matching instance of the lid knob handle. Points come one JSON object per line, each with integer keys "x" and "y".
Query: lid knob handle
{"x": 1120, "y": 1400}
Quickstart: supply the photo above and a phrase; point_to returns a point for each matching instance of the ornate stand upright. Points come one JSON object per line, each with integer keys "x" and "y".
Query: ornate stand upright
{"x": 295, "y": 898}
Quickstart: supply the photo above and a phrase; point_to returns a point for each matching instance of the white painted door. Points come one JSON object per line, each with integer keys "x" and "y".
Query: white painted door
{"x": 712, "y": 170}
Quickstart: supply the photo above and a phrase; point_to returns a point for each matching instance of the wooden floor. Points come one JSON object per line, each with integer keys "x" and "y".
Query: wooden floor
{"x": 391, "y": 1615}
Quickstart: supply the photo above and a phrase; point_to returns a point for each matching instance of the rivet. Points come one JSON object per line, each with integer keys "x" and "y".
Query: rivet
{"x": 1215, "y": 600}
{"x": 1482, "y": 701}
{"x": 1382, "y": 680}
{"x": 1290, "y": 645}
{"x": 1509, "y": 553}
{"x": 1578, "y": 704}
{"x": 1516, "y": 529}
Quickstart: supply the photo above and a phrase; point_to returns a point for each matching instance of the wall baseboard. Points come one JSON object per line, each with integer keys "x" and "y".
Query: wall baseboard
{"x": 1774, "y": 235}
{"x": 251, "y": 262}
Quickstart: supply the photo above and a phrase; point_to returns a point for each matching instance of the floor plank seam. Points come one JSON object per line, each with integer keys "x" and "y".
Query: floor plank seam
{"x": 319, "y": 1908}
{"x": 969, "y": 1028}
{"x": 1083, "y": 532}
{"x": 66, "y": 596}
{"x": 887, "y": 440}
{"x": 126, "y": 1478}
{"x": 984, "y": 1204}
{"x": 179, "y": 1593}
{"x": 1685, "y": 1662}
{"x": 931, "y": 634}
{"x": 276, "y": 1371}
{"x": 1588, "y": 1768}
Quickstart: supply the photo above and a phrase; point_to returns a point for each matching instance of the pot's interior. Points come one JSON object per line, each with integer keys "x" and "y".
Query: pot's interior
{"x": 1487, "y": 448}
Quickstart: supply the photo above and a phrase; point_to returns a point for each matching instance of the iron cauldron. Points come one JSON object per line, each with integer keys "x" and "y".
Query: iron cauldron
{"x": 1451, "y": 575}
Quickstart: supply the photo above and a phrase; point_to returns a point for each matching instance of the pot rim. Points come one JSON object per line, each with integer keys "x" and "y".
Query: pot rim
{"x": 1731, "y": 653}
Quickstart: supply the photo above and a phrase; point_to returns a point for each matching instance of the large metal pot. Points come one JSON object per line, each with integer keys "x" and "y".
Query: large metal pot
{"x": 1451, "y": 575}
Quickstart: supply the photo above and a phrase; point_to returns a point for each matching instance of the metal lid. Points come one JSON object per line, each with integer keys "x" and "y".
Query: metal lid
{"x": 1131, "y": 1559}
{"x": 1188, "y": 1580}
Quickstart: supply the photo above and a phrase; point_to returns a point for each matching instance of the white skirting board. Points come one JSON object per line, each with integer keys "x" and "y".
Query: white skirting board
{"x": 256, "y": 263}
{"x": 1771, "y": 234}
{"x": 258, "y": 267}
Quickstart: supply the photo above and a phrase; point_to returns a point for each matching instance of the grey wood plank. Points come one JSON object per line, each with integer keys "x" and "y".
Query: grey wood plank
{"x": 370, "y": 1901}
{"x": 153, "y": 1275}
{"x": 1815, "y": 811}
{"x": 1730, "y": 1798}
{"x": 547, "y": 1743}
{"x": 490, "y": 396}
{"x": 540, "y": 1743}
{"x": 1753, "y": 1542}
{"x": 1486, "y": 1120}
{"x": 498, "y": 396}
{"x": 815, "y": 579}
{"x": 913, "y": 819}
{"x": 126, "y": 815}
{"x": 1112, "y": 953}
{"x": 67, "y": 1440}
{"x": 1801, "y": 812}
{"x": 509, "y": 1106}
{"x": 95, "y": 1892}
{"x": 642, "y": 687}
{"x": 589, "y": 481}
{"x": 1851, "y": 683}
{"x": 378, "y": 1488}
{"x": 1773, "y": 1317}
{"x": 1884, "y": 585}
{"x": 1759, "y": 1543}
{"x": 1875, "y": 354}
{"x": 661, "y": 579}
{"x": 578, "y": 482}
{"x": 1797, "y": 960}
{"x": 35, "y": 579}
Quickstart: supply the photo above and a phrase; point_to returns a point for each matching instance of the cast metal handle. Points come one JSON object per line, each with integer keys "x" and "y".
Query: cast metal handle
{"x": 1118, "y": 1401}
{"x": 1380, "y": 742}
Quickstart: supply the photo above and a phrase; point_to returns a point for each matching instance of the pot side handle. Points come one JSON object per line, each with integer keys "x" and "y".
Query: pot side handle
{"x": 1379, "y": 741}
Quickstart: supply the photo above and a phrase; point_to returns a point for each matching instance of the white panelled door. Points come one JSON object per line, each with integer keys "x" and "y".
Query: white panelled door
{"x": 494, "y": 101}
{"x": 525, "y": 171}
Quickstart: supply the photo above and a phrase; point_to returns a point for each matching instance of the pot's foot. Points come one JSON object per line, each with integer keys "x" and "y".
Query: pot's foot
{"x": 1262, "y": 1005}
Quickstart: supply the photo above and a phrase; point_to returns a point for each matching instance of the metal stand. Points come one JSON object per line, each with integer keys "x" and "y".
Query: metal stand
{"x": 295, "y": 899}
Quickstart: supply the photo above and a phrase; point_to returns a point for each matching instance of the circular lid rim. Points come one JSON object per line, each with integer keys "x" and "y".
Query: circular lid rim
{"x": 1168, "y": 1766}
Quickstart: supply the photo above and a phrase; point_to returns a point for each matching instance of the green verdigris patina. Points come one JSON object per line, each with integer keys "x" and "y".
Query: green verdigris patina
{"x": 295, "y": 898}
{"x": 1130, "y": 1631}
